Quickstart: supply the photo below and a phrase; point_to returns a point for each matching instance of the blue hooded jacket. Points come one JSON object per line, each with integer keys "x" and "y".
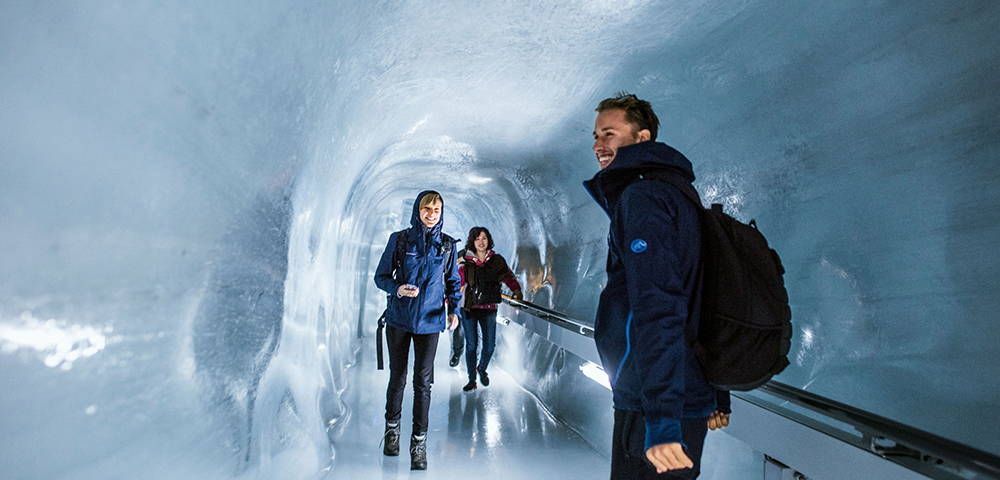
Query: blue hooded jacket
{"x": 424, "y": 265}
{"x": 652, "y": 298}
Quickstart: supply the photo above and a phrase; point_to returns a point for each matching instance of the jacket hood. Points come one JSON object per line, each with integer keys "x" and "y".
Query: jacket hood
{"x": 629, "y": 162}
{"x": 418, "y": 232}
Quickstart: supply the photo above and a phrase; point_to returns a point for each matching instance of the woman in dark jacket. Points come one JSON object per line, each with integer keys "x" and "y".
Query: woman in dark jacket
{"x": 482, "y": 273}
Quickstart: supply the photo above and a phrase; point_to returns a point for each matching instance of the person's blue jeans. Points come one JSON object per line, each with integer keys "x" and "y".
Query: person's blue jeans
{"x": 474, "y": 321}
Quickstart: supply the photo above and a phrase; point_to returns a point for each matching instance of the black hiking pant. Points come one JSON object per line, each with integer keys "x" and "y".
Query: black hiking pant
{"x": 424, "y": 348}
{"x": 628, "y": 455}
{"x": 457, "y": 339}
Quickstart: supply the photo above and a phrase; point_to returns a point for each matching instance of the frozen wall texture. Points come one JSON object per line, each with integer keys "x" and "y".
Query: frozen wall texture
{"x": 192, "y": 197}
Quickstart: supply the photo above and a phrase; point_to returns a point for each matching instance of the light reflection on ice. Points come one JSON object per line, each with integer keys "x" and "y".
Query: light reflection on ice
{"x": 808, "y": 339}
{"x": 594, "y": 372}
{"x": 476, "y": 179}
{"x": 60, "y": 343}
{"x": 493, "y": 434}
{"x": 417, "y": 125}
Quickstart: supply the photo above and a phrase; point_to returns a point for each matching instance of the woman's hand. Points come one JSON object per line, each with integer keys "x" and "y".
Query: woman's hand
{"x": 452, "y": 321}
{"x": 407, "y": 290}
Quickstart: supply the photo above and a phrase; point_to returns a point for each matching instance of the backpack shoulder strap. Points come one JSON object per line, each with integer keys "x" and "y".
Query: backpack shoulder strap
{"x": 447, "y": 244}
{"x": 401, "y": 244}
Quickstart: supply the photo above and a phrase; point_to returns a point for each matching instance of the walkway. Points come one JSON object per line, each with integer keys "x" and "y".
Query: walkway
{"x": 499, "y": 431}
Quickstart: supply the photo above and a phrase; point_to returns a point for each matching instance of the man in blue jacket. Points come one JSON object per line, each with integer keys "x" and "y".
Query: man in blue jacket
{"x": 419, "y": 273}
{"x": 650, "y": 305}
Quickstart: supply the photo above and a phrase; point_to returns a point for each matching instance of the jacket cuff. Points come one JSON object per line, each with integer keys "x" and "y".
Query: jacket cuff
{"x": 662, "y": 430}
{"x": 722, "y": 401}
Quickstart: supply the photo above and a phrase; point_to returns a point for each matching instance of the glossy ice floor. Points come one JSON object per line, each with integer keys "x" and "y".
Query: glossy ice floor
{"x": 500, "y": 431}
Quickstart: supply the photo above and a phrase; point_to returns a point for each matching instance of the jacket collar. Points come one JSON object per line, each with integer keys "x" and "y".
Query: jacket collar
{"x": 472, "y": 256}
{"x": 630, "y": 161}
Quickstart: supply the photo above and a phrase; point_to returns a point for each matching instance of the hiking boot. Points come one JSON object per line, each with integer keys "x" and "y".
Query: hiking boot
{"x": 418, "y": 452}
{"x": 454, "y": 359}
{"x": 391, "y": 439}
{"x": 469, "y": 386}
{"x": 483, "y": 377}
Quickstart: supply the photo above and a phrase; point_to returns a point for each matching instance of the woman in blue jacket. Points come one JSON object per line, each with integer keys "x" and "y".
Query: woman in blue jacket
{"x": 419, "y": 273}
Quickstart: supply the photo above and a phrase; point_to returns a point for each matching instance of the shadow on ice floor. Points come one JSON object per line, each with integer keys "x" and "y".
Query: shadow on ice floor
{"x": 500, "y": 431}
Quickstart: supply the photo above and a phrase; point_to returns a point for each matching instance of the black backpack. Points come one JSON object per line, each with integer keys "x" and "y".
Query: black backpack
{"x": 746, "y": 325}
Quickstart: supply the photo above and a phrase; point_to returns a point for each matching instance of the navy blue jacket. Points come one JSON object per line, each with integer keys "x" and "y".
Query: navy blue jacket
{"x": 424, "y": 265}
{"x": 653, "y": 291}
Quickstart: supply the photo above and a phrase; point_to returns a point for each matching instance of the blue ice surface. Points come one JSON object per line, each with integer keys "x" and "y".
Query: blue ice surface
{"x": 192, "y": 198}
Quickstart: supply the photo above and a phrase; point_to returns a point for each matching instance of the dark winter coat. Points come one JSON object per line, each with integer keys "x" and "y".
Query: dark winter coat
{"x": 425, "y": 265}
{"x": 653, "y": 291}
{"x": 483, "y": 279}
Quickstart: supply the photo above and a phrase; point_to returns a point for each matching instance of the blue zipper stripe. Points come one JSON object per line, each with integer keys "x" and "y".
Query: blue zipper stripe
{"x": 628, "y": 348}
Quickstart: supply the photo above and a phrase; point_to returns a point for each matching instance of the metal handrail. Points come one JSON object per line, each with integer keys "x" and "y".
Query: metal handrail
{"x": 552, "y": 316}
{"x": 913, "y": 448}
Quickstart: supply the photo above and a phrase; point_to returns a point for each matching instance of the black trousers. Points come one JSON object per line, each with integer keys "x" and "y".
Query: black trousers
{"x": 628, "y": 457}
{"x": 424, "y": 348}
{"x": 457, "y": 339}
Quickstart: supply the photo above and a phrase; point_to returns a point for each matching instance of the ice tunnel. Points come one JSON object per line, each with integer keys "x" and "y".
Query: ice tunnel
{"x": 193, "y": 198}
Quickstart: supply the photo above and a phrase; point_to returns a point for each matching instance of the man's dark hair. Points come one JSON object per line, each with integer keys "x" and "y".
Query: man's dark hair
{"x": 470, "y": 243}
{"x": 638, "y": 112}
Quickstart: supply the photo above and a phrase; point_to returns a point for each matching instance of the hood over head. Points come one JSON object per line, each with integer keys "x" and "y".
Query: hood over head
{"x": 629, "y": 162}
{"x": 419, "y": 233}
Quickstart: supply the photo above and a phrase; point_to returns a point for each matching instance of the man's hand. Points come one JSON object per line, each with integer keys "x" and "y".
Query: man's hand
{"x": 718, "y": 420}
{"x": 452, "y": 321}
{"x": 668, "y": 456}
{"x": 407, "y": 290}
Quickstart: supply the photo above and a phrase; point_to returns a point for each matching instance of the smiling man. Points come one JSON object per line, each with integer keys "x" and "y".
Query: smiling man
{"x": 419, "y": 273}
{"x": 650, "y": 305}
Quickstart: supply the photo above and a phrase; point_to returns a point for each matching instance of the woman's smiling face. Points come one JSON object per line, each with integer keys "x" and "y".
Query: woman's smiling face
{"x": 482, "y": 242}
